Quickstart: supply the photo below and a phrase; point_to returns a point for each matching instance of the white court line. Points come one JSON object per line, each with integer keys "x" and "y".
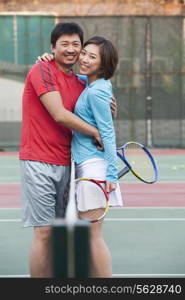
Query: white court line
{"x": 117, "y": 219}
{"x": 8, "y": 180}
{"x": 161, "y": 181}
{"x": 10, "y": 220}
{"x": 121, "y": 208}
{"x": 146, "y": 207}
{"x": 148, "y": 275}
{"x": 123, "y": 181}
{"x": 10, "y": 208}
{"x": 114, "y": 275}
{"x": 15, "y": 276}
{"x": 17, "y": 182}
{"x": 143, "y": 219}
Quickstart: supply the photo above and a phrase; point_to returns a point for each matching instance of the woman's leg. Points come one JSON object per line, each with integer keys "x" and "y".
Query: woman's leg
{"x": 101, "y": 261}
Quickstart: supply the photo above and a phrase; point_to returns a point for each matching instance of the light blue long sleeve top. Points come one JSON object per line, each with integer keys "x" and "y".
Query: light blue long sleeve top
{"x": 93, "y": 106}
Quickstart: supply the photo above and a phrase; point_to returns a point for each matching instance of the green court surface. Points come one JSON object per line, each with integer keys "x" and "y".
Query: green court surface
{"x": 144, "y": 241}
{"x": 9, "y": 169}
{"x": 170, "y": 168}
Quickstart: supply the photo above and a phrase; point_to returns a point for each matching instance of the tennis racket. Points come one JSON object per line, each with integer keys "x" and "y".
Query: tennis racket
{"x": 95, "y": 189}
{"x": 139, "y": 160}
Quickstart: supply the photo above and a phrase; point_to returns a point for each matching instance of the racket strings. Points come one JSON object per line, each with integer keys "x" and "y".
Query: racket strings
{"x": 140, "y": 161}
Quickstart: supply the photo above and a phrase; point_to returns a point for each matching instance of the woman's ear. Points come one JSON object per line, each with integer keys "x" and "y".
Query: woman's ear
{"x": 52, "y": 50}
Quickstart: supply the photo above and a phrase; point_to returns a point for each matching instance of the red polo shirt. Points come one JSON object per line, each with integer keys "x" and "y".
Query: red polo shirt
{"x": 42, "y": 139}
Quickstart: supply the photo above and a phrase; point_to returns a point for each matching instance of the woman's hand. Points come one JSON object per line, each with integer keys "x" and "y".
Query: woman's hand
{"x": 45, "y": 57}
{"x": 110, "y": 186}
{"x": 113, "y": 106}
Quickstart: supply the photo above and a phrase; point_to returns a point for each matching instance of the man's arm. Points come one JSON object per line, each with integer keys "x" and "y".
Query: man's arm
{"x": 53, "y": 104}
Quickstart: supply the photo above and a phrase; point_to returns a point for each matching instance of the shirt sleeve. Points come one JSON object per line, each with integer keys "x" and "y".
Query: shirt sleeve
{"x": 83, "y": 78}
{"x": 100, "y": 104}
{"x": 43, "y": 79}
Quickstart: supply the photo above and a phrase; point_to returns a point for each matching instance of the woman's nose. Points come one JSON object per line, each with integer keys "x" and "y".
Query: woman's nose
{"x": 85, "y": 59}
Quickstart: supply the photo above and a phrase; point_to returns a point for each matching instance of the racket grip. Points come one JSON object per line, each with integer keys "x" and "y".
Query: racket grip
{"x": 123, "y": 172}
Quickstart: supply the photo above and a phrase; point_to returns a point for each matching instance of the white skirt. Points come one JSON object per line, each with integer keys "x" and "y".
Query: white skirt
{"x": 89, "y": 195}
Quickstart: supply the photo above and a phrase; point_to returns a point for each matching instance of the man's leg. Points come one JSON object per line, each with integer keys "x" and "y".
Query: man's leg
{"x": 43, "y": 198}
{"x": 40, "y": 256}
{"x": 38, "y": 211}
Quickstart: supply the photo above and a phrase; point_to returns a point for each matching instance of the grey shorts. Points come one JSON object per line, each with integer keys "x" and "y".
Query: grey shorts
{"x": 45, "y": 191}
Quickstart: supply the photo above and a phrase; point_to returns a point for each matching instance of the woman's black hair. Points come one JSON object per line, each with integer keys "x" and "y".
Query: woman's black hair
{"x": 108, "y": 54}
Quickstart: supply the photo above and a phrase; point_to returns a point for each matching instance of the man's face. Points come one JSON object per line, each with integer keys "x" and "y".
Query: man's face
{"x": 67, "y": 49}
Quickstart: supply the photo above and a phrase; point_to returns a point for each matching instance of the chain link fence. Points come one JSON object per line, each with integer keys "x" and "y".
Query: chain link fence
{"x": 150, "y": 80}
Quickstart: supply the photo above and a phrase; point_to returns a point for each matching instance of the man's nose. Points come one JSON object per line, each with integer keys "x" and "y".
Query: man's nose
{"x": 70, "y": 48}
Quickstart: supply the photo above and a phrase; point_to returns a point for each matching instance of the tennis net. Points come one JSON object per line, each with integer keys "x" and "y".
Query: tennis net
{"x": 70, "y": 240}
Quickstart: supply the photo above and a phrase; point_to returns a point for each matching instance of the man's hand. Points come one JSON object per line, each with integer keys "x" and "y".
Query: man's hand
{"x": 98, "y": 142}
{"x": 114, "y": 107}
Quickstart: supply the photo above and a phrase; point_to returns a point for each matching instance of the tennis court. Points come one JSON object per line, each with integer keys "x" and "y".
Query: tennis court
{"x": 146, "y": 236}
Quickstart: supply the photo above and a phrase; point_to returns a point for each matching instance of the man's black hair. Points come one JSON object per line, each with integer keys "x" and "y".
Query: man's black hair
{"x": 66, "y": 28}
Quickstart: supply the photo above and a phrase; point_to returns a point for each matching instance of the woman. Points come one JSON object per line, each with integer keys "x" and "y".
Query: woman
{"x": 98, "y": 60}
{"x": 97, "y": 64}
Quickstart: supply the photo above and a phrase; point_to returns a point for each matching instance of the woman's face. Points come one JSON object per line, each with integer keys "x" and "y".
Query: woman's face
{"x": 90, "y": 61}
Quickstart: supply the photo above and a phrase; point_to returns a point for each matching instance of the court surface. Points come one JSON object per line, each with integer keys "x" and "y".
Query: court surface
{"x": 146, "y": 236}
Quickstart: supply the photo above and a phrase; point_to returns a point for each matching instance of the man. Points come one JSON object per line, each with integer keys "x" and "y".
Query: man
{"x": 50, "y": 94}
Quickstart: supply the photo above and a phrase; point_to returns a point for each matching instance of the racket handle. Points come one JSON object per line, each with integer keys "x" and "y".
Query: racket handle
{"x": 123, "y": 172}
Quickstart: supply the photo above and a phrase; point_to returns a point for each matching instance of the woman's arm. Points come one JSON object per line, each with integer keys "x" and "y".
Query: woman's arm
{"x": 100, "y": 106}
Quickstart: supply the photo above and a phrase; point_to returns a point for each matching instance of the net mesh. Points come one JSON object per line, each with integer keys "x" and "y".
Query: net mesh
{"x": 70, "y": 236}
